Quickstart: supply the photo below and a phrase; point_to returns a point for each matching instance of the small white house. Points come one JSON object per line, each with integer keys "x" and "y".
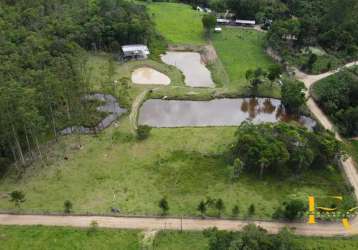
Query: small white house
{"x": 136, "y": 51}
{"x": 245, "y": 22}
{"x": 222, "y": 21}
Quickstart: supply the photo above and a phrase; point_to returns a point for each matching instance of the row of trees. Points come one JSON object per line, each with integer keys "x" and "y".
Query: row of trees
{"x": 281, "y": 148}
{"x": 219, "y": 206}
{"x": 44, "y": 72}
{"x": 258, "y": 76}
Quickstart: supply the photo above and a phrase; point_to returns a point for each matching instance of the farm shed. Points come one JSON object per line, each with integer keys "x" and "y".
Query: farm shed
{"x": 222, "y": 21}
{"x": 245, "y": 22}
{"x": 136, "y": 51}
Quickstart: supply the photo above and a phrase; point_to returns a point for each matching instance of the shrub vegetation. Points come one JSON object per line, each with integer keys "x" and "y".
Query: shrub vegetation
{"x": 338, "y": 96}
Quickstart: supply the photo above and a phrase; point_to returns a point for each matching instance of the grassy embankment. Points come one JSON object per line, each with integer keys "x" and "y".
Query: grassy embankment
{"x": 37, "y": 237}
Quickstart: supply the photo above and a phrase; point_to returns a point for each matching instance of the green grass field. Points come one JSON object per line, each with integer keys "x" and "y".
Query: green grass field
{"x": 39, "y": 237}
{"x": 240, "y": 50}
{"x": 178, "y": 23}
{"x": 185, "y": 165}
{"x": 62, "y": 238}
{"x": 352, "y": 148}
{"x": 355, "y": 144}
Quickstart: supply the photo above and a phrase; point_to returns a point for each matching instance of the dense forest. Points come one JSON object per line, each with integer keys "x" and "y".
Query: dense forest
{"x": 338, "y": 96}
{"x": 326, "y": 24}
{"x": 43, "y": 63}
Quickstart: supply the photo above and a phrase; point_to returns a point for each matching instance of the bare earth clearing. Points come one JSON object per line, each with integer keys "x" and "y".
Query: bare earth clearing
{"x": 146, "y": 75}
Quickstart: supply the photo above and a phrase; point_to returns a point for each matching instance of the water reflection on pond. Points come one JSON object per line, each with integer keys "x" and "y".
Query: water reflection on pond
{"x": 218, "y": 112}
{"x": 195, "y": 72}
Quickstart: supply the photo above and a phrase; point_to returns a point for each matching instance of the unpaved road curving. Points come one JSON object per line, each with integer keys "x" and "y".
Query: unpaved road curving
{"x": 149, "y": 223}
{"x": 348, "y": 165}
{"x": 311, "y": 79}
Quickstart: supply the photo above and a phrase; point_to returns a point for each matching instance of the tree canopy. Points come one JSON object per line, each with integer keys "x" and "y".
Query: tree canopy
{"x": 338, "y": 96}
{"x": 330, "y": 24}
{"x": 252, "y": 237}
{"x": 283, "y": 148}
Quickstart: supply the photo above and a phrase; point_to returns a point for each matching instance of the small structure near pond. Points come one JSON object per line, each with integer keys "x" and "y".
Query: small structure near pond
{"x": 135, "y": 51}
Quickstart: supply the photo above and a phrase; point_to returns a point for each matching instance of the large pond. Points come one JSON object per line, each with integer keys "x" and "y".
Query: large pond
{"x": 194, "y": 70}
{"x": 218, "y": 112}
{"x": 146, "y": 75}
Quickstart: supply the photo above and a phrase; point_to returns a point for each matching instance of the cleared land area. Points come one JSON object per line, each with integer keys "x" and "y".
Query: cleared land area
{"x": 146, "y": 75}
{"x": 98, "y": 65}
{"x": 185, "y": 165}
{"x": 178, "y": 23}
{"x": 239, "y": 51}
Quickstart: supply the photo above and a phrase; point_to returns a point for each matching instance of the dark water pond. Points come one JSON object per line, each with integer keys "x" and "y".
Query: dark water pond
{"x": 218, "y": 112}
{"x": 110, "y": 106}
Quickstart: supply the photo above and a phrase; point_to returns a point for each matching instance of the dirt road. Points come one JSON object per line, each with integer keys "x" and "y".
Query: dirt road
{"x": 348, "y": 165}
{"x": 332, "y": 229}
{"x": 311, "y": 79}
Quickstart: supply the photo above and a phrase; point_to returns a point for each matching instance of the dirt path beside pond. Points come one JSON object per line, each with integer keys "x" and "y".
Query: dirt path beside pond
{"x": 135, "y": 109}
